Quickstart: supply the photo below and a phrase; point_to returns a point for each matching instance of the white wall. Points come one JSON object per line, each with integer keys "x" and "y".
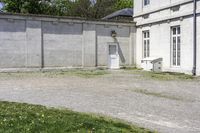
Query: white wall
{"x": 160, "y": 44}
{"x": 159, "y": 23}
{"x": 154, "y": 5}
{"x": 164, "y": 14}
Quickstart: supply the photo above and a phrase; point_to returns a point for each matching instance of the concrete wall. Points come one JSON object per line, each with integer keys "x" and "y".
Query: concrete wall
{"x": 103, "y": 37}
{"x": 37, "y": 42}
{"x": 62, "y": 44}
{"x": 13, "y": 43}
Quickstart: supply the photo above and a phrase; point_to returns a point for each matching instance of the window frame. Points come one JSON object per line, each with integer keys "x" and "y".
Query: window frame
{"x": 146, "y": 43}
{"x": 176, "y": 46}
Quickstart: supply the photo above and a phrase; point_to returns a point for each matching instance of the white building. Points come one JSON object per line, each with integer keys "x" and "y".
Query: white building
{"x": 165, "y": 29}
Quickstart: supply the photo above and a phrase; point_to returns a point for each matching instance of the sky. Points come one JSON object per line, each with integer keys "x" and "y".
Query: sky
{"x": 1, "y": 5}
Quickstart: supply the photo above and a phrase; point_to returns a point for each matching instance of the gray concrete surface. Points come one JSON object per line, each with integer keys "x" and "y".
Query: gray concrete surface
{"x": 37, "y": 41}
{"x": 171, "y": 107}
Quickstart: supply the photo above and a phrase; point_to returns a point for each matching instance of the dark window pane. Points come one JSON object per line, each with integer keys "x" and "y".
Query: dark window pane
{"x": 148, "y": 50}
{"x": 174, "y": 40}
{"x": 145, "y": 45}
{"x": 178, "y": 40}
{"x": 179, "y": 30}
{"x": 174, "y": 31}
{"x": 146, "y": 2}
{"x": 145, "y": 54}
{"x": 178, "y": 59}
{"x": 112, "y": 49}
{"x": 174, "y": 58}
{"x": 147, "y": 34}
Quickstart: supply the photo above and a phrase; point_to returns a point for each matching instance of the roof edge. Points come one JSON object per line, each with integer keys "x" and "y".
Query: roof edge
{"x": 65, "y": 17}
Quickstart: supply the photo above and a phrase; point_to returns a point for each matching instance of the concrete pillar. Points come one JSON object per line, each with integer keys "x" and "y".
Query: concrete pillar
{"x": 132, "y": 43}
{"x": 89, "y": 45}
{"x": 33, "y": 46}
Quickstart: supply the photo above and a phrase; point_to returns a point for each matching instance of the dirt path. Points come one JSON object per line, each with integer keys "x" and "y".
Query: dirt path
{"x": 166, "y": 106}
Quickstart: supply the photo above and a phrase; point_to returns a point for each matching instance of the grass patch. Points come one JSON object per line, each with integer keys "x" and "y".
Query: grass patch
{"x": 26, "y": 118}
{"x": 53, "y": 74}
{"x": 156, "y": 94}
{"x": 130, "y": 68}
{"x": 162, "y": 75}
{"x": 90, "y": 73}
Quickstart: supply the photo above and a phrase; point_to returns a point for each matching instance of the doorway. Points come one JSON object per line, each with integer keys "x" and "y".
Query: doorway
{"x": 113, "y": 56}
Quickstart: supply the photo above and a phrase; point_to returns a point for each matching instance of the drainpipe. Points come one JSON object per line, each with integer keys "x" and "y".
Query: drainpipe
{"x": 194, "y": 38}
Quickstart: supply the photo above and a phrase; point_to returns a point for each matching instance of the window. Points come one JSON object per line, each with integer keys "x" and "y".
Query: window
{"x": 146, "y": 2}
{"x": 176, "y": 46}
{"x": 146, "y": 16}
{"x": 146, "y": 44}
{"x": 112, "y": 49}
{"x": 175, "y": 8}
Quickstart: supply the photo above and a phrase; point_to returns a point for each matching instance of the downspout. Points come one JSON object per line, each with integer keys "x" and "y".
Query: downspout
{"x": 194, "y": 38}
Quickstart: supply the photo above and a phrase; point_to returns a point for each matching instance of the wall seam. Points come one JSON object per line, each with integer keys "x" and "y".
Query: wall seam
{"x": 42, "y": 46}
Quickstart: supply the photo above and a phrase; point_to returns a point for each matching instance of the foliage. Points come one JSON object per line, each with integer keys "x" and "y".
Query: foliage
{"x": 25, "y": 118}
{"x": 120, "y": 4}
{"x": 28, "y": 6}
{"x": 161, "y": 75}
{"x": 80, "y": 8}
{"x": 158, "y": 94}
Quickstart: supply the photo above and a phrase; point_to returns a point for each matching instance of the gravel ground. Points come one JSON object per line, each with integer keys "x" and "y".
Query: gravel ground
{"x": 164, "y": 106}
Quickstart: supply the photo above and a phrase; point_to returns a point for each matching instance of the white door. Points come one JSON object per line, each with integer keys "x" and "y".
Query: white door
{"x": 113, "y": 57}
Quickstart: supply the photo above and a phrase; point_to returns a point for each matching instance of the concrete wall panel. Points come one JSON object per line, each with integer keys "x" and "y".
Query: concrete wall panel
{"x": 89, "y": 45}
{"x": 62, "y": 44}
{"x": 34, "y": 36}
{"x": 12, "y": 43}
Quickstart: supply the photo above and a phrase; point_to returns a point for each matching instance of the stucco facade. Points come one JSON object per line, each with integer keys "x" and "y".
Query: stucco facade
{"x": 159, "y": 17}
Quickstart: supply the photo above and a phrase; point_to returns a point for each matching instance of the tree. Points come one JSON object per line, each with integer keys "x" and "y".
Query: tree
{"x": 29, "y": 6}
{"x": 81, "y": 8}
{"x": 103, "y": 8}
{"x": 120, "y": 4}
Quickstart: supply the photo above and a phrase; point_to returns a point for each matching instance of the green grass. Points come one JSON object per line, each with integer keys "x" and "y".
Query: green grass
{"x": 54, "y": 74}
{"x": 130, "y": 68}
{"x": 26, "y": 118}
{"x": 157, "y": 94}
{"x": 160, "y": 75}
